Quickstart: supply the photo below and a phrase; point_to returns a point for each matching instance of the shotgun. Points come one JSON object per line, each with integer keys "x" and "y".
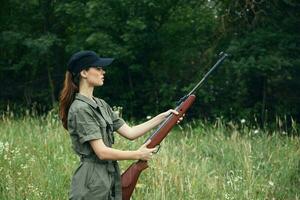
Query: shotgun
{"x": 130, "y": 176}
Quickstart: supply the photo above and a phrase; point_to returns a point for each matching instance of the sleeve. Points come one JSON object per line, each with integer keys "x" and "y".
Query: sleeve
{"x": 117, "y": 121}
{"x": 86, "y": 126}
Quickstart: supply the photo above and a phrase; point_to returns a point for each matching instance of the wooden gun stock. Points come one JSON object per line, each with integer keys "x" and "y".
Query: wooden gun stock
{"x": 131, "y": 175}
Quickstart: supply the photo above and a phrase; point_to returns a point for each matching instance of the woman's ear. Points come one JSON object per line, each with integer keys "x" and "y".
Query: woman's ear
{"x": 83, "y": 73}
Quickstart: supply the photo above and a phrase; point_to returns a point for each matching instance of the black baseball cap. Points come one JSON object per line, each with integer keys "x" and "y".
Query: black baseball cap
{"x": 85, "y": 59}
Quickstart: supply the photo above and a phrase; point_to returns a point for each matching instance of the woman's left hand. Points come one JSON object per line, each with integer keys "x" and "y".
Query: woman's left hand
{"x": 167, "y": 113}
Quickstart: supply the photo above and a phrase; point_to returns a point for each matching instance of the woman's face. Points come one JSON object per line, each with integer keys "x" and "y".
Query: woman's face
{"x": 95, "y": 76}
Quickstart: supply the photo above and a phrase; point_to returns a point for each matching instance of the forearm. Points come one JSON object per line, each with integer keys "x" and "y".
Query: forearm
{"x": 134, "y": 132}
{"x": 141, "y": 129}
{"x": 108, "y": 153}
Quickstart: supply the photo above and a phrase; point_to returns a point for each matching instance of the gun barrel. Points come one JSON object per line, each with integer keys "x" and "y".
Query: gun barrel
{"x": 224, "y": 55}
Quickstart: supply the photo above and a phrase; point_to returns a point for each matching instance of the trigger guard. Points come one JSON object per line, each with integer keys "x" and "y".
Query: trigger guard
{"x": 155, "y": 152}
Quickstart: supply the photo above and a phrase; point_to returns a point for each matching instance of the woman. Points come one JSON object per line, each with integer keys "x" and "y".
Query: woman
{"x": 91, "y": 122}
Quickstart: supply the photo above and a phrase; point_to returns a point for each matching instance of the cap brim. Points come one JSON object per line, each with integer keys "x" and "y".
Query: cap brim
{"x": 103, "y": 62}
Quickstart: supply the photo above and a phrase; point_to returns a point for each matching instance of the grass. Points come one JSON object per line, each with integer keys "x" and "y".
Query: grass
{"x": 196, "y": 161}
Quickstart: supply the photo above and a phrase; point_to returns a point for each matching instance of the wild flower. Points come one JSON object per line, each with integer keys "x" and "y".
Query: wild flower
{"x": 243, "y": 121}
{"x": 227, "y": 196}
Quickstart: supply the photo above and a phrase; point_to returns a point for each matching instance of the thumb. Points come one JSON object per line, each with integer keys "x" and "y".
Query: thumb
{"x": 174, "y": 111}
{"x": 146, "y": 143}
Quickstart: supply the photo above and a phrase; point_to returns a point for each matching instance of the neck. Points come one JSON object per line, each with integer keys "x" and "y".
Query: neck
{"x": 85, "y": 89}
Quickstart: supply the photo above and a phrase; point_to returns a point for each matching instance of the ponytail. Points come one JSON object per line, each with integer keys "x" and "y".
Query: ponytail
{"x": 67, "y": 96}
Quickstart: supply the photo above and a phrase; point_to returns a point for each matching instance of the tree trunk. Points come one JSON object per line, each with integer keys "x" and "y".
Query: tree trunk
{"x": 263, "y": 105}
{"x": 51, "y": 85}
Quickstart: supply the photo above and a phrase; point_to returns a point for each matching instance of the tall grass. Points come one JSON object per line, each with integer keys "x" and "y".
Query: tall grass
{"x": 196, "y": 161}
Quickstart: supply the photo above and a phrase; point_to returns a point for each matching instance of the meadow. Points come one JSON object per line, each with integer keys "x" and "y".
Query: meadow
{"x": 198, "y": 160}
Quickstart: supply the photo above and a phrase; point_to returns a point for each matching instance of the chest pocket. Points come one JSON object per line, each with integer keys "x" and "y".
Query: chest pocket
{"x": 106, "y": 127}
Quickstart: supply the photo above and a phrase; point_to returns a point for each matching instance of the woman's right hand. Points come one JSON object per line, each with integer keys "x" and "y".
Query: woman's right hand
{"x": 145, "y": 153}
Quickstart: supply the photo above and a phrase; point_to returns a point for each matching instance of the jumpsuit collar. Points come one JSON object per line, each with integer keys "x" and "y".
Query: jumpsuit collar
{"x": 88, "y": 100}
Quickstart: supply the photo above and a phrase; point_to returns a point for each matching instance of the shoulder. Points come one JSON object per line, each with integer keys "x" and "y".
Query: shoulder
{"x": 79, "y": 107}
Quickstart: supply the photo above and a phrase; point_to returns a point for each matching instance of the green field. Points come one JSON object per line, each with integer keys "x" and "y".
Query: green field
{"x": 196, "y": 161}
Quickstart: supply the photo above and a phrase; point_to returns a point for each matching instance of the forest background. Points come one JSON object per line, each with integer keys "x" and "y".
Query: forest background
{"x": 162, "y": 49}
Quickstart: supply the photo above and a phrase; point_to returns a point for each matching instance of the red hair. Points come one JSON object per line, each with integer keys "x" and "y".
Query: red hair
{"x": 67, "y": 96}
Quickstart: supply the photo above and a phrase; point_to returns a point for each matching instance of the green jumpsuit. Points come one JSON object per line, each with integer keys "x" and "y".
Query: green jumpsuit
{"x": 94, "y": 178}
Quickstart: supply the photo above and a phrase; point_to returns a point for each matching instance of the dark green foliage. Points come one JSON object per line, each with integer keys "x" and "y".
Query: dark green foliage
{"x": 162, "y": 48}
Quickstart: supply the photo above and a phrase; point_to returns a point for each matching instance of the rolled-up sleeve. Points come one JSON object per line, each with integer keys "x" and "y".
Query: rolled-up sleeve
{"x": 117, "y": 121}
{"x": 86, "y": 126}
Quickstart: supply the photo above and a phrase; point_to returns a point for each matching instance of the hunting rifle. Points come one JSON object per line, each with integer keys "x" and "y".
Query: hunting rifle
{"x": 131, "y": 175}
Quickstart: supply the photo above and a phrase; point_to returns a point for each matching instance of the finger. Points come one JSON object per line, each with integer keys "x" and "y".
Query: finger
{"x": 152, "y": 150}
{"x": 174, "y": 111}
{"x": 145, "y": 158}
